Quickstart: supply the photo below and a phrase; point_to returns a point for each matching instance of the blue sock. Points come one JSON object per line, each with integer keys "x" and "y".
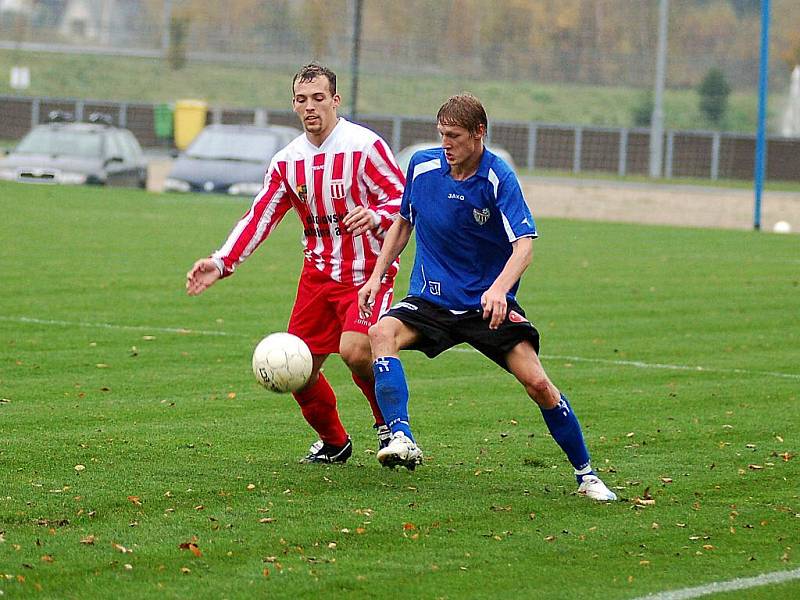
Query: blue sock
{"x": 391, "y": 392}
{"x": 566, "y": 431}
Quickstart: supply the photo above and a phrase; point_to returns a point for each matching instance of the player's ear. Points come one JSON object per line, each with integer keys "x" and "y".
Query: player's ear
{"x": 337, "y": 100}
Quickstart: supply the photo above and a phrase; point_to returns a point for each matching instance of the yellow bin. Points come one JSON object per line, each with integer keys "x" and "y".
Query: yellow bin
{"x": 190, "y": 118}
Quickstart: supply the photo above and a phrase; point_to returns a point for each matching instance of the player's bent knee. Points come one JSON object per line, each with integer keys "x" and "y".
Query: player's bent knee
{"x": 541, "y": 391}
{"x": 382, "y": 338}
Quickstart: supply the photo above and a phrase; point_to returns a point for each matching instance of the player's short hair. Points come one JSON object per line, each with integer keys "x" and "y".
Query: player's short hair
{"x": 312, "y": 71}
{"x": 463, "y": 110}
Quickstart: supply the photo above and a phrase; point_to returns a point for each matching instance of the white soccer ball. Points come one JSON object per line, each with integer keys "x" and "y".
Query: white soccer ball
{"x": 282, "y": 362}
{"x": 782, "y": 227}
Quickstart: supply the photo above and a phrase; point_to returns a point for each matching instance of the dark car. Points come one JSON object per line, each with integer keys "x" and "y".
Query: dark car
{"x": 76, "y": 153}
{"x": 228, "y": 159}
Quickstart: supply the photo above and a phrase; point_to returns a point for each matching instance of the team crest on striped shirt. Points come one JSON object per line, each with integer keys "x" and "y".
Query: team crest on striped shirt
{"x": 337, "y": 189}
{"x": 302, "y": 192}
{"x": 481, "y": 216}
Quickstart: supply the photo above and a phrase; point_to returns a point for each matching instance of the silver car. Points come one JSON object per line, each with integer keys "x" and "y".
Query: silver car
{"x": 404, "y": 156}
{"x": 77, "y": 153}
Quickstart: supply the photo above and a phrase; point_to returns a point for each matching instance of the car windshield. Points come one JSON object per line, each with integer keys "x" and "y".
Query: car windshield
{"x": 233, "y": 145}
{"x": 61, "y": 142}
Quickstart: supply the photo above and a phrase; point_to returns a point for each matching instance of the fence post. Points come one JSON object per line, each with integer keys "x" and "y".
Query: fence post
{"x": 715, "y": 142}
{"x": 36, "y": 106}
{"x": 123, "y": 114}
{"x": 622, "y": 163}
{"x": 397, "y": 133}
{"x": 79, "y": 104}
{"x": 576, "y": 157}
{"x": 532, "y": 131}
{"x": 670, "y": 150}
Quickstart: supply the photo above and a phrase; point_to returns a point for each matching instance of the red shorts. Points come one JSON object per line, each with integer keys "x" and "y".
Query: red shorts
{"x": 325, "y": 308}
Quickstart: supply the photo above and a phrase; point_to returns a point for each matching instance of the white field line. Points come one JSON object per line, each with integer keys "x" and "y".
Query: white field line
{"x": 146, "y": 328}
{"x": 742, "y": 583}
{"x": 644, "y": 365}
{"x": 187, "y": 331}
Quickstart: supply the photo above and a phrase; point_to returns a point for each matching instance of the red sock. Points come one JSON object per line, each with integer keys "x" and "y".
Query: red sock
{"x": 368, "y": 387}
{"x": 318, "y": 404}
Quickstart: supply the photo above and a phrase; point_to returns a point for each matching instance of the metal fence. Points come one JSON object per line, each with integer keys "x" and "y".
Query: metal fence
{"x": 534, "y": 146}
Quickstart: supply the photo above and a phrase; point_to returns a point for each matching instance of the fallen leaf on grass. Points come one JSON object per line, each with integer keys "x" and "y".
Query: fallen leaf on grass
{"x": 88, "y": 540}
{"x": 47, "y": 558}
{"x": 80, "y": 468}
{"x": 409, "y": 526}
{"x": 121, "y": 548}
{"x": 666, "y": 479}
{"x": 192, "y": 547}
{"x": 755, "y": 467}
{"x": 267, "y": 520}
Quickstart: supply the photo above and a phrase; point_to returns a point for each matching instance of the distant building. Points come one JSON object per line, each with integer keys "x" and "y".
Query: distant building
{"x": 103, "y": 22}
{"x": 19, "y": 7}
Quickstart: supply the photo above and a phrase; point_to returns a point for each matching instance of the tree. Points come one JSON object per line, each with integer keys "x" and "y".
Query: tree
{"x": 642, "y": 111}
{"x": 714, "y": 91}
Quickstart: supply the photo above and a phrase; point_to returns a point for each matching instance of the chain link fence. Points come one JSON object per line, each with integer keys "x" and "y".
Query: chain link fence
{"x": 533, "y": 146}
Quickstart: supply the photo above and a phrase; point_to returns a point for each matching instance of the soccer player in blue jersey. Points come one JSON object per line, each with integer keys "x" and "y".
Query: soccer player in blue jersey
{"x": 474, "y": 236}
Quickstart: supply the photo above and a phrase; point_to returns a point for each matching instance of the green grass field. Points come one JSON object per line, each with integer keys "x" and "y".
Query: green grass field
{"x": 139, "y": 458}
{"x": 229, "y": 85}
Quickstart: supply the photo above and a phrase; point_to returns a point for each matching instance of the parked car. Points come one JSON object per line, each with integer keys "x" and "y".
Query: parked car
{"x": 404, "y": 156}
{"x": 228, "y": 159}
{"x": 75, "y": 153}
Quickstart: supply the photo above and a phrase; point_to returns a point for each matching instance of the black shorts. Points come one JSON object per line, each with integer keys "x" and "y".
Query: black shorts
{"x": 440, "y": 329}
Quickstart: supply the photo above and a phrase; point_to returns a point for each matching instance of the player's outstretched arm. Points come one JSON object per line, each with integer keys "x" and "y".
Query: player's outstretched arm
{"x": 203, "y": 274}
{"x": 395, "y": 242}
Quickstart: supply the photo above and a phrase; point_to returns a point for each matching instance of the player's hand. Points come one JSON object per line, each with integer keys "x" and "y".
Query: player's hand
{"x": 201, "y": 276}
{"x": 360, "y": 220}
{"x": 366, "y": 297}
{"x": 495, "y": 307}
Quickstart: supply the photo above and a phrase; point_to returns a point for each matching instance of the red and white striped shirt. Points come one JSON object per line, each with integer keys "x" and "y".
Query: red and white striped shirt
{"x": 353, "y": 167}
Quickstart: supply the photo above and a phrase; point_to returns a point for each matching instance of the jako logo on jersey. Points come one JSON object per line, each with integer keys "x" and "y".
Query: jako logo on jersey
{"x": 337, "y": 189}
{"x": 302, "y": 192}
{"x": 515, "y": 317}
{"x": 481, "y": 216}
{"x": 455, "y": 196}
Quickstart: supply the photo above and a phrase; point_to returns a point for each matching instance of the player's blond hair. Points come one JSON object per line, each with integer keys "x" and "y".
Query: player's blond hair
{"x": 463, "y": 110}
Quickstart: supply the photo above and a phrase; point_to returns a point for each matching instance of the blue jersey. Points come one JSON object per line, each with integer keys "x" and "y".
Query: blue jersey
{"x": 464, "y": 229}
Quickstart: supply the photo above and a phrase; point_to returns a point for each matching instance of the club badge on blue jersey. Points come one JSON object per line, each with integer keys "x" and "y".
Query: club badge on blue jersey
{"x": 481, "y": 216}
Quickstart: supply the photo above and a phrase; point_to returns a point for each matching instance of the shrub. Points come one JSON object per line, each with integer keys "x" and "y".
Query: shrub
{"x": 714, "y": 91}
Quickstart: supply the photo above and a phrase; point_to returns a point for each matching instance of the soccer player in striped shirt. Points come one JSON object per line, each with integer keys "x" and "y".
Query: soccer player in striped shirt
{"x": 474, "y": 238}
{"x": 346, "y": 187}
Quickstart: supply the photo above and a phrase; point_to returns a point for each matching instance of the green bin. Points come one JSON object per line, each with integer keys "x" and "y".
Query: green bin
{"x": 163, "y": 121}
